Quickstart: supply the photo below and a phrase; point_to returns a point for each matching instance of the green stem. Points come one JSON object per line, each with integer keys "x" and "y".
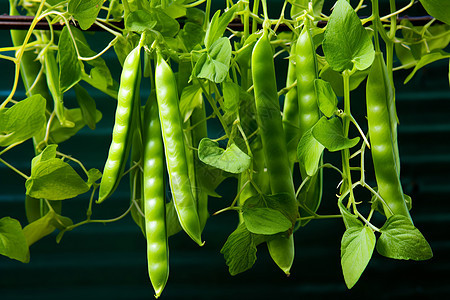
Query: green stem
{"x": 14, "y": 169}
{"x": 255, "y": 12}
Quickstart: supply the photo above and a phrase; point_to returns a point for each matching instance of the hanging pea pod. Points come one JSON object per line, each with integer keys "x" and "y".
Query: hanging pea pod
{"x": 154, "y": 198}
{"x": 273, "y": 140}
{"x": 309, "y": 113}
{"x": 378, "y": 93}
{"x": 172, "y": 130}
{"x": 121, "y": 140}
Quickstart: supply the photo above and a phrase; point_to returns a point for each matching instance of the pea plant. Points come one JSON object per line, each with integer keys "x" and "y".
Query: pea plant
{"x": 198, "y": 69}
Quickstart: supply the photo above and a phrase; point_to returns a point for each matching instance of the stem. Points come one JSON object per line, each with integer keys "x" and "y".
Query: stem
{"x": 14, "y": 169}
{"x": 255, "y": 12}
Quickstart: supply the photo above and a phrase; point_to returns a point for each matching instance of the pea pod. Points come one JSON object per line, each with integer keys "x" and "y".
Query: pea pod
{"x": 273, "y": 140}
{"x": 290, "y": 111}
{"x": 378, "y": 96}
{"x": 120, "y": 145}
{"x": 172, "y": 131}
{"x": 154, "y": 200}
{"x": 309, "y": 114}
{"x": 52, "y": 75}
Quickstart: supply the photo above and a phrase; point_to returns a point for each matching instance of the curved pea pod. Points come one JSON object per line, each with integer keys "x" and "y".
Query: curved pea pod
{"x": 378, "y": 96}
{"x": 175, "y": 153}
{"x": 273, "y": 140}
{"x": 309, "y": 114}
{"x": 121, "y": 139}
{"x": 154, "y": 198}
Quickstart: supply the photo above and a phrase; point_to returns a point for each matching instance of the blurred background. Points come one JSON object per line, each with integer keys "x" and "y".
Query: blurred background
{"x": 99, "y": 261}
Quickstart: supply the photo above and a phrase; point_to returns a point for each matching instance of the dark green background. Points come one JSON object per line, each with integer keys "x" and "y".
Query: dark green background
{"x": 109, "y": 261}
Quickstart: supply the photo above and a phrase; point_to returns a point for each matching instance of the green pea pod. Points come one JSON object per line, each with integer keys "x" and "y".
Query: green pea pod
{"x": 290, "y": 112}
{"x": 273, "y": 139}
{"x": 52, "y": 75}
{"x": 154, "y": 201}
{"x": 136, "y": 172}
{"x": 172, "y": 131}
{"x": 309, "y": 114}
{"x": 379, "y": 94}
{"x": 198, "y": 117}
{"x": 121, "y": 138}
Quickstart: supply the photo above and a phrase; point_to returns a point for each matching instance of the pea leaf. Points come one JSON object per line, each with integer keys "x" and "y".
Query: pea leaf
{"x": 59, "y": 134}
{"x": 139, "y": 21}
{"x": 298, "y": 6}
{"x": 69, "y": 65}
{"x": 54, "y": 179}
{"x": 438, "y": 9}
{"x": 12, "y": 240}
{"x": 309, "y": 152}
{"x": 22, "y": 121}
{"x": 192, "y": 35}
{"x": 191, "y": 97}
{"x": 350, "y": 220}
{"x": 44, "y": 226}
{"x": 427, "y": 59}
{"x": 280, "y": 202}
{"x": 214, "y": 64}
{"x": 336, "y": 81}
{"x": 239, "y": 250}
{"x": 326, "y": 97}
{"x": 172, "y": 222}
{"x": 231, "y": 160}
{"x": 401, "y": 240}
{"x": 93, "y": 176}
{"x": 260, "y": 218}
{"x": 48, "y": 153}
{"x": 357, "y": 247}
{"x": 85, "y": 11}
{"x": 346, "y": 41}
{"x": 167, "y": 26}
{"x": 218, "y": 25}
{"x": 209, "y": 178}
{"x": 87, "y": 106}
{"x": 231, "y": 95}
{"x": 175, "y": 9}
{"x": 330, "y": 133}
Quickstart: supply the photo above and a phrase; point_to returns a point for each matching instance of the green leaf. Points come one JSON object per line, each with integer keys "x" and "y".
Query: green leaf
{"x": 279, "y": 202}
{"x": 191, "y": 97}
{"x": 326, "y": 97}
{"x": 44, "y": 226}
{"x": 172, "y": 222}
{"x": 309, "y": 152}
{"x": 167, "y": 26}
{"x": 427, "y": 59}
{"x": 350, "y": 220}
{"x": 239, "y": 250}
{"x": 231, "y": 96}
{"x": 93, "y": 176}
{"x": 298, "y": 6}
{"x": 336, "y": 81}
{"x": 357, "y": 247}
{"x": 330, "y": 133}
{"x": 59, "y": 134}
{"x": 218, "y": 25}
{"x": 69, "y": 65}
{"x": 87, "y": 106}
{"x": 210, "y": 178}
{"x": 176, "y": 9}
{"x": 12, "y": 240}
{"x": 346, "y": 42}
{"x": 263, "y": 220}
{"x": 214, "y": 64}
{"x": 48, "y": 153}
{"x": 401, "y": 240}
{"x": 231, "y": 160}
{"x": 438, "y": 9}
{"x": 54, "y": 179}
{"x": 85, "y": 11}
{"x": 22, "y": 121}
{"x": 139, "y": 21}
{"x": 192, "y": 35}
